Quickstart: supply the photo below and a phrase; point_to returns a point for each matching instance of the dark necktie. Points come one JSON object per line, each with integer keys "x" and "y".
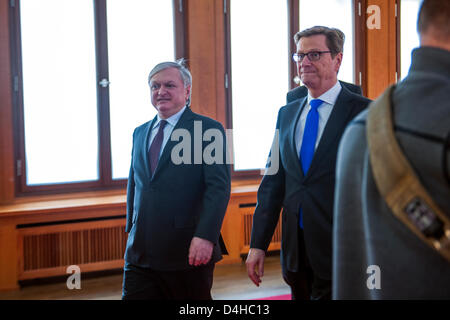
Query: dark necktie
{"x": 309, "y": 141}
{"x": 155, "y": 147}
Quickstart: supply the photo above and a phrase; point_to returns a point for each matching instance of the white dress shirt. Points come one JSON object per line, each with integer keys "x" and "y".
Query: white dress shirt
{"x": 329, "y": 99}
{"x": 170, "y": 125}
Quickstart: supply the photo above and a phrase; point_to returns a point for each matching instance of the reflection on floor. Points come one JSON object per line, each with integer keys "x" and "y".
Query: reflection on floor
{"x": 230, "y": 283}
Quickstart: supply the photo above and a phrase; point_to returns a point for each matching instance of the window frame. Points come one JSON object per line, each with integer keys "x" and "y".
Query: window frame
{"x": 105, "y": 180}
{"x": 360, "y": 45}
{"x": 398, "y": 43}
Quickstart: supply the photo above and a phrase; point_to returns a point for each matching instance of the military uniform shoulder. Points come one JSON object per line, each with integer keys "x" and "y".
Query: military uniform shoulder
{"x": 361, "y": 118}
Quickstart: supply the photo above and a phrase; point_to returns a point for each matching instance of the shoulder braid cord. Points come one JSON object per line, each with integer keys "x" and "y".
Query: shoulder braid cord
{"x": 398, "y": 183}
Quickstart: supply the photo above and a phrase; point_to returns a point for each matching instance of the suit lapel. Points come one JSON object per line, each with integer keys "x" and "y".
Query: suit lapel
{"x": 293, "y": 146}
{"x": 184, "y": 122}
{"x": 145, "y": 145}
{"x": 333, "y": 129}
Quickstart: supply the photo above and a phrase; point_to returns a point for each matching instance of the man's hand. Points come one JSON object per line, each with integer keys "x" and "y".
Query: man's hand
{"x": 200, "y": 251}
{"x": 255, "y": 259}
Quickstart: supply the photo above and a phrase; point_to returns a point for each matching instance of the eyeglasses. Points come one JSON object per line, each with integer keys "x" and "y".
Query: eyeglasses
{"x": 312, "y": 56}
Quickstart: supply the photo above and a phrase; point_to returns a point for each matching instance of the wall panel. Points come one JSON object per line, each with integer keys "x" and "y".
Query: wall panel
{"x": 381, "y": 52}
{"x": 6, "y": 117}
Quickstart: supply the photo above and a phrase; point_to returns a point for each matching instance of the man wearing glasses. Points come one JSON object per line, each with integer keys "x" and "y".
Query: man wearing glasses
{"x": 309, "y": 132}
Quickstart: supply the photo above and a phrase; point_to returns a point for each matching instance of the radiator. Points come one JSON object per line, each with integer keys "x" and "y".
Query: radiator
{"x": 247, "y": 221}
{"x": 48, "y": 250}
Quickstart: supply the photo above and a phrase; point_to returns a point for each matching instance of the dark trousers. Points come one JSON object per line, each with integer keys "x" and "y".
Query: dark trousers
{"x": 147, "y": 284}
{"x": 305, "y": 285}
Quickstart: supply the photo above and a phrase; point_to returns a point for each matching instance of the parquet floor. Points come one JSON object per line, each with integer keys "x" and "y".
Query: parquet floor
{"x": 230, "y": 283}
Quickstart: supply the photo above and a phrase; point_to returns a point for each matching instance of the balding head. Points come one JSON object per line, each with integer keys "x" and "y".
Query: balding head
{"x": 433, "y": 23}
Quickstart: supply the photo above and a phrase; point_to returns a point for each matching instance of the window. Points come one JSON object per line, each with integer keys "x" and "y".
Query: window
{"x": 260, "y": 45}
{"x": 259, "y": 76}
{"x": 60, "y": 113}
{"x": 409, "y": 39}
{"x": 81, "y": 73}
{"x": 336, "y": 14}
{"x": 131, "y": 56}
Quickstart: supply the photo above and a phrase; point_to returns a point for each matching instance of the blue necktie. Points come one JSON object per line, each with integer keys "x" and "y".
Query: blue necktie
{"x": 309, "y": 141}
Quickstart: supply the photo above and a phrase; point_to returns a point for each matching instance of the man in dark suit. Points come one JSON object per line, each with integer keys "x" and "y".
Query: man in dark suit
{"x": 177, "y": 195}
{"x": 375, "y": 255}
{"x": 309, "y": 130}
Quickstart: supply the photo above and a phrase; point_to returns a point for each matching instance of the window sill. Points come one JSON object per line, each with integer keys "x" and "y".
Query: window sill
{"x": 62, "y": 202}
{"x": 94, "y": 200}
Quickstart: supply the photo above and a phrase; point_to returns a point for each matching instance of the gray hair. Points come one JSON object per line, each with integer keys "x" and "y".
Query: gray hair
{"x": 334, "y": 37}
{"x": 180, "y": 65}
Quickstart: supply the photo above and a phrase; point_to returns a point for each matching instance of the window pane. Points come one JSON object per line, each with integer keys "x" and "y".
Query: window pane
{"x": 409, "y": 39}
{"x": 260, "y": 76}
{"x": 140, "y": 35}
{"x": 333, "y": 14}
{"x": 59, "y": 88}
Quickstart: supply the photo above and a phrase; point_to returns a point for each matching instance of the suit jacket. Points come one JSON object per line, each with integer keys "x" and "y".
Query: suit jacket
{"x": 290, "y": 188}
{"x": 180, "y": 201}
{"x": 302, "y": 91}
{"x": 366, "y": 232}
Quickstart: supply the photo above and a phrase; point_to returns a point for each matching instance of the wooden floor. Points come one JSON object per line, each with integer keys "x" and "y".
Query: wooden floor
{"x": 230, "y": 283}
